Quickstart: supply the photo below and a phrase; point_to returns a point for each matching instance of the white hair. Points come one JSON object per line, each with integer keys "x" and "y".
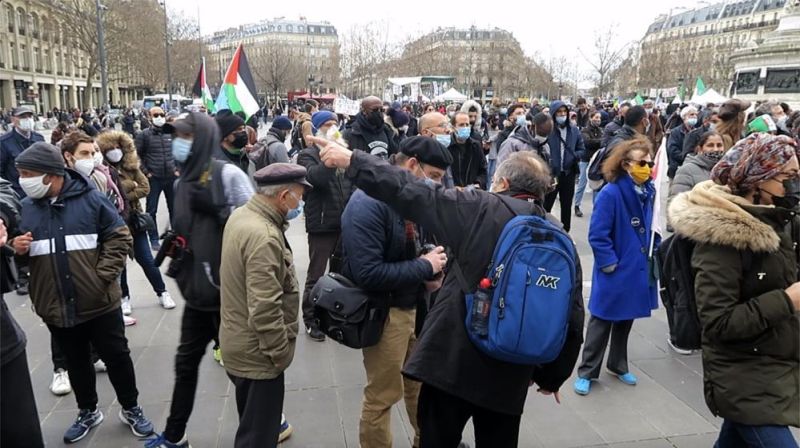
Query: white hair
{"x": 687, "y": 110}
{"x": 271, "y": 191}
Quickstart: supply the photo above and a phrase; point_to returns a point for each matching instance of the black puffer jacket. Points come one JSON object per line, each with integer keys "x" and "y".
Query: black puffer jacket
{"x": 326, "y": 202}
{"x": 155, "y": 151}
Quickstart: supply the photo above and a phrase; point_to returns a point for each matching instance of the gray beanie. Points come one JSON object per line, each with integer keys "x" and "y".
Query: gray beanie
{"x": 41, "y": 157}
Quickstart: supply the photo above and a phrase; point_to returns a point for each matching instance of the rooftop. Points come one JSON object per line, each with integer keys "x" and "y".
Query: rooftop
{"x": 716, "y": 11}
{"x": 278, "y": 25}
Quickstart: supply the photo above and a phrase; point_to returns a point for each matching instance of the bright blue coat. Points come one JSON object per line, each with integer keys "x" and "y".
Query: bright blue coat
{"x": 619, "y": 234}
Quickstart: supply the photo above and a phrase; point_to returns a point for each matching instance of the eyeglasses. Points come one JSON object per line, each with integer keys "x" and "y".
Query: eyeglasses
{"x": 641, "y": 163}
{"x": 158, "y": 115}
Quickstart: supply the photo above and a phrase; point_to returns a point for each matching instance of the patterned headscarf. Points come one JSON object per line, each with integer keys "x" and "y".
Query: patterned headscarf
{"x": 752, "y": 160}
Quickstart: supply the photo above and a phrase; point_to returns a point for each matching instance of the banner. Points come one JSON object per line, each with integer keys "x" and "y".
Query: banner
{"x": 415, "y": 92}
{"x": 669, "y": 93}
{"x": 346, "y": 107}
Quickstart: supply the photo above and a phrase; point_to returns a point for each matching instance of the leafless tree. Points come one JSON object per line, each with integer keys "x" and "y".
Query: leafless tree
{"x": 607, "y": 54}
{"x": 276, "y": 68}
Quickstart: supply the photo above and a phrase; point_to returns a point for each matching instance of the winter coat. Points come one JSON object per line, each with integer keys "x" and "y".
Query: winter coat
{"x": 12, "y": 338}
{"x": 326, "y": 201}
{"x": 260, "y": 294}
{"x": 655, "y": 134}
{"x": 695, "y": 169}
{"x": 619, "y": 234}
{"x": 240, "y": 160}
{"x": 592, "y": 136}
{"x": 366, "y": 137}
{"x": 269, "y": 150}
{"x": 573, "y": 145}
{"x": 78, "y": 252}
{"x": 691, "y": 140}
{"x": 12, "y": 143}
{"x": 522, "y": 140}
{"x": 611, "y": 130}
{"x": 625, "y": 133}
{"x": 501, "y": 138}
{"x": 751, "y": 332}
{"x": 675, "y": 149}
{"x": 155, "y": 151}
{"x": 469, "y": 163}
{"x": 468, "y": 222}
{"x": 133, "y": 183}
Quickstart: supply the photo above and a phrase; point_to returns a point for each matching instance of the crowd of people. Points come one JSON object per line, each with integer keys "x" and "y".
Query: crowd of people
{"x": 410, "y": 204}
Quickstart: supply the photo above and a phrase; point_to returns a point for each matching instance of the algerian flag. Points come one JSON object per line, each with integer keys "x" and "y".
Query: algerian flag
{"x": 699, "y": 87}
{"x": 238, "y": 92}
{"x": 201, "y": 90}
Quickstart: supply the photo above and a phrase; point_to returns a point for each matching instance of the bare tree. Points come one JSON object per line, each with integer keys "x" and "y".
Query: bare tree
{"x": 277, "y": 68}
{"x": 606, "y": 56}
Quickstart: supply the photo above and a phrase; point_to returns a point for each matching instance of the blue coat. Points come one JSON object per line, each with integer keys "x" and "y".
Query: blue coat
{"x": 619, "y": 234}
{"x": 573, "y": 150}
{"x": 12, "y": 143}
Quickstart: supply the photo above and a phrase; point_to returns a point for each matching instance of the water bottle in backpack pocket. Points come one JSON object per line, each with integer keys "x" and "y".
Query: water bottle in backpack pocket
{"x": 530, "y": 290}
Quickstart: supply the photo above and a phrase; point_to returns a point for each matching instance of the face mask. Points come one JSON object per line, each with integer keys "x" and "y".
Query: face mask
{"x": 691, "y": 122}
{"x": 640, "y": 174}
{"x": 561, "y": 120}
{"x": 791, "y": 194}
{"x": 712, "y": 126}
{"x": 98, "y": 158}
{"x": 181, "y": 148}
{"x": 239, "y": 140}
{"x": 596, "y": 122}
{"x": 34, "y": 187}
{"x": 649, "y": 111}
{"x": 297, "y": 211}
{"x": 462, "y": 133}
{"x": 714, "y": 156}
{"x": 84, "y": 166}
{"x": 159, "y": 121}
{"x": 26, "y": 124}
{"x": 521, "y": 121}
{"x": 114, "y": 156}
{"x": 375, "y": 118}
{"x": 443, "y": 139}
{"x": 540, "y": 138}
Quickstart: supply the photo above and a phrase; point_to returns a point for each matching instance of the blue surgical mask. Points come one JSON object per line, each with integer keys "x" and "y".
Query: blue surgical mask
{"x": 521, "y": 121}
{"x": 561, "y": 120}
{"x": 463, "y": 133}
{"x": 181, "y": 148}
{"x": 691, "y": 122}
{"x": 443, "y": 139}
{"x": 297, "y": 211}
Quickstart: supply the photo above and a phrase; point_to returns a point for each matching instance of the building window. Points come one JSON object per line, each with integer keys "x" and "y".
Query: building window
{"x": 2, "y": 54}
{"x": 21, "y": 21}
{"x": 300, "y": 29}
{"x": 37, "y": 58}
{"x": 9, "y": 14}
{"x": 35, "y": 26}
{"x": 26, "y": 63}
{"x": 14, "y": 56}
{"x": 289, "y": 28}
{"x": 47, "y": 62}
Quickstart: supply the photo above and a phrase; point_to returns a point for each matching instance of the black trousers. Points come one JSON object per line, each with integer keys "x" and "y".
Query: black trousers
{"x": 320, "y": 249}
{"x": 59, "y": 360}
{"x": 442, "y": 417}
{"x": 198, "y": 329}
{"x": 598, "y": 333}
{"x": 18, "y": 415}
{"x": 565, "y": 192}
{"x": 259, "y": 403}
{"x": 107, "y": 334}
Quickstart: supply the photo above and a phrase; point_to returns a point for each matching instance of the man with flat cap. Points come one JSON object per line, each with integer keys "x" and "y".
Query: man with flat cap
{"x": 383, "y": 254}
{"x": 260, "y": 301}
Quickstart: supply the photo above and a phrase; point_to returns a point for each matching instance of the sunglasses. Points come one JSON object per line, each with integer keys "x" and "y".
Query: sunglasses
{"x": 641, "y": 163}
{"x": 158, "y": 115}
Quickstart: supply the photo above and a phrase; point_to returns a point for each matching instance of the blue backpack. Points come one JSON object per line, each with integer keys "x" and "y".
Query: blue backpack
{"x": 533, "y": 277}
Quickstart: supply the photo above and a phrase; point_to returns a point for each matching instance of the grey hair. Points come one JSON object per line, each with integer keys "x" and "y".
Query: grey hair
{"x": 271, "y": 191}
{"x": 525, "y": 171}
{"x": 687, "y": 110}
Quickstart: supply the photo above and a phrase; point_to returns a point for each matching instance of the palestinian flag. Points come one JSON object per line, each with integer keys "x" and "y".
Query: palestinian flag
{"x": 200, "y": 89}
{"x": 238, "y": 92}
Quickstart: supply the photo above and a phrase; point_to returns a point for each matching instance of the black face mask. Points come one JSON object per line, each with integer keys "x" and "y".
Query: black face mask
{"x": 239, "y": 140}
{"x": 791, "y": 194}
{"x": 375, "y": 118}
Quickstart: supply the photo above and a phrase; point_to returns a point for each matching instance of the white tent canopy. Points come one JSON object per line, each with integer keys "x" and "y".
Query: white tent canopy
{"x": 710, "y": 96}
{"x": 451, "y": 95}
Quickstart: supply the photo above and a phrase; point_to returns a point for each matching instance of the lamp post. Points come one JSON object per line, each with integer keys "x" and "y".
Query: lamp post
{"x": 166, "y": 46}
{"x": 101, "y": 44}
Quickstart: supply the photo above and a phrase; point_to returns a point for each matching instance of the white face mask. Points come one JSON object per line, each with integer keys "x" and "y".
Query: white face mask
{"x": 26, "y": 124}
{"x": 114, "y": 155}
{"x": 84, "y": 166}
{"x": 159, "y": 121}
{"x": 34, "y": 187}
{"x": 98, "y": 158}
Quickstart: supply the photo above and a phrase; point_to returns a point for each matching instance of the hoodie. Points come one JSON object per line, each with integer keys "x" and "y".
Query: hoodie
{"x": 372, "y": 139}
{"x": 522, "y": 140}
{"x": 478, "y": 127}
{"x": 567, "y": 149}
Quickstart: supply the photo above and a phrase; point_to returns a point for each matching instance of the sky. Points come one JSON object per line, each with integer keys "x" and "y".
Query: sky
{"x": 552, "y": 28}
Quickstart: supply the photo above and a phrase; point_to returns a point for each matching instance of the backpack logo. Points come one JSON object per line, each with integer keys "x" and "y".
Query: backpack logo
{"x": 548, "y": 281}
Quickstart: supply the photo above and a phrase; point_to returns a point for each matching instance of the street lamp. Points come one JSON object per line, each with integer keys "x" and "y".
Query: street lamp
{"x": 166, "y": 46}
{"x": 101, "y": 44}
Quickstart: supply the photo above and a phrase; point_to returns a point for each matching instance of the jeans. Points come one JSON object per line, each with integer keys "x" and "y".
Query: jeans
{"x": 157, "y": 185}
{"x": 198, "y": 329}
{"x": 107, "y": 334}
{"x": 490, "y": 168}
{"x": 564, "y": 191}
{"x": 259, "y": 403}
{"x": 18, "y": 416}
{"x": 737, "y": 435}
{"x": 582, "y": 181}
{"x": 143, "y": 256}
{"x": 320, "y": 250}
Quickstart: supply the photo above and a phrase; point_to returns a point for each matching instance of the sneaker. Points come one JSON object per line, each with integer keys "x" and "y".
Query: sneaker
{"x": 160, "y": 441}
{"x": 314, "y": 333}
{"x": 166, "y": 301}
{"x": 134, "y": 417}
{"x": 678, "y": 350}
{"x": 627, "y": 378}
{"x": 128, "y": 320}
{"x": 155, "y": 246}
{"x": 100, "y": 366}
{"x": 83, "y": 424}
{"x": 218, "y": 355}
{"x": 578, "y": 212}
{"x": 582, "y": 386}
{"x": 286, "y": 429}
{"x": 127, "y": 309}
{"x": 60, "y": 384}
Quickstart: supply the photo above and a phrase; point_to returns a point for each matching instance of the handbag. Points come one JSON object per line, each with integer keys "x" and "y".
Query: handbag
{"x": 346, "y": 313}
{"x": 140, "y": 222}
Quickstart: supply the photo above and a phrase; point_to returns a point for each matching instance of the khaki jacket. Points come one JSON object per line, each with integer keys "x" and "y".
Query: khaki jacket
{"x": 260, "y": 294}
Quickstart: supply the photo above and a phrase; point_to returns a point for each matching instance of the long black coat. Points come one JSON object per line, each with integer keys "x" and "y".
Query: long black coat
{"x": 324, "y": 203}
{"x": 469, "y": 223}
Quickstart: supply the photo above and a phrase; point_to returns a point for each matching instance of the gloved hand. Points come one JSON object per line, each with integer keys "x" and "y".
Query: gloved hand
{"x": 609, "y": 269}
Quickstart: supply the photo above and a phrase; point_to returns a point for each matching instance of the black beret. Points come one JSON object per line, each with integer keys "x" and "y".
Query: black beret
{"x": 427, "y": 151}
{"x": 281, "y": 173}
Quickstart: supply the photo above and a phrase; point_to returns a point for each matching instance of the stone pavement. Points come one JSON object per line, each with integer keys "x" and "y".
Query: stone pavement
{"x": 324, "y": 385}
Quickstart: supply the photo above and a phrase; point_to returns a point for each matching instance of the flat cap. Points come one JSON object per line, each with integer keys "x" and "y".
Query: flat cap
{"x": 183, "y": 123}
{"x": 427, "y": 151}
{"x": 281, "y": 173}
{"x": 22, "y": 110}
{"x": 41, "y": 157}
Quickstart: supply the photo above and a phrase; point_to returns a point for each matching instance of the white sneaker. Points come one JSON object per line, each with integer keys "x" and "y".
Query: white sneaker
{"x": 128, "y": 320}
{"x": 166, "y": 301}
{"x": 100, "y": 366}
{"x": 127, "y": 309}
{"x": 60, "y": 384}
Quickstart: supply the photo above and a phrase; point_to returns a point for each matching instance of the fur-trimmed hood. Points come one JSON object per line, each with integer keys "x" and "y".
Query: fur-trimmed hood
{"x": 710, "y": 213}
{"x": 119, "y": 139}
{"x": 469, "y": 104}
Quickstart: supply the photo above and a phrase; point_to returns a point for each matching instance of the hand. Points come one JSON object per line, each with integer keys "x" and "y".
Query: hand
{"x": 437, "y": 258}
{"x": 177, "y": 173}
{"x": 435, "y": 284}
{"x": 609, "y": 269}
{"x": 333, "y": 155}
{"x": 794, "y": 294}
{"x": 554, "y": 394}
{"x": 22, "y": 243}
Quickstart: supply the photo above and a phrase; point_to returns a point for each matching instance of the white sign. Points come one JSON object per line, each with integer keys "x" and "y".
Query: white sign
{"x": 346, "y": 107}
{"x": 414, "y": 92}
{"x": 669, "y": 93}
